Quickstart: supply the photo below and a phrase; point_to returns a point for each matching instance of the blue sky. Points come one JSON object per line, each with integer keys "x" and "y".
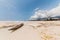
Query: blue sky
{"x": 23, "y": 9}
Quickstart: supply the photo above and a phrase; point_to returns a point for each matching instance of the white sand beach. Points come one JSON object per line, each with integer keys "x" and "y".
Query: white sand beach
{"x": 32, "y": 30}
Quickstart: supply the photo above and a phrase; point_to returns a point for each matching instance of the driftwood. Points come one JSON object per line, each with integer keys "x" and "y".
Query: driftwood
{"x": 16, "y": 27}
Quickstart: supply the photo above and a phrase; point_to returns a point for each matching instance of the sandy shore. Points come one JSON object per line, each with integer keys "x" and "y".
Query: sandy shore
{"x": 32, "y": 30}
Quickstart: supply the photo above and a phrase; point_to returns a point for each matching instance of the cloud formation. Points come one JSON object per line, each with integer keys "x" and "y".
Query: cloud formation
{"x": 46, "y": 13}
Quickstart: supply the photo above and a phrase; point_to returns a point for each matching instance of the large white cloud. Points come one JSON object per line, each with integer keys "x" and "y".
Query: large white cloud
{"x": 55, "y": 11}
{"x": 45, "y": 13}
